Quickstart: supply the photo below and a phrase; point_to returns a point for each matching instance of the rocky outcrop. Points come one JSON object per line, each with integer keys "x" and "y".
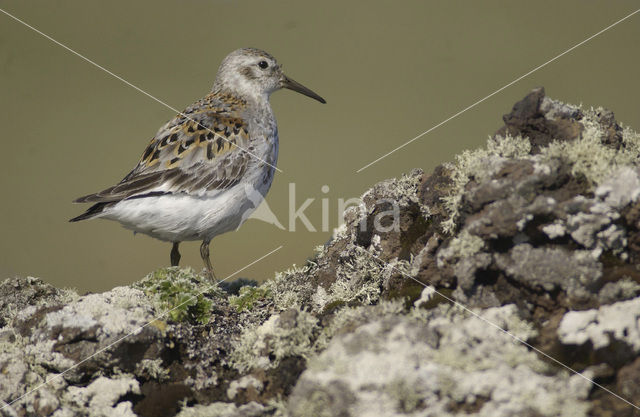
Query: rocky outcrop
{"x": 475, "y": 290}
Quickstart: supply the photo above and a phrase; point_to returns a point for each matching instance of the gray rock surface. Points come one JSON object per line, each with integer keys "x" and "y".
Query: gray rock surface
{"x": 537, "y": 234}
{"x": 441, "y": 362}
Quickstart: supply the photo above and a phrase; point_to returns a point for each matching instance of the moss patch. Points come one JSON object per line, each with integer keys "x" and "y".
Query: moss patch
{"x": 248, "y": 297}
{"x": 180, "y": 293}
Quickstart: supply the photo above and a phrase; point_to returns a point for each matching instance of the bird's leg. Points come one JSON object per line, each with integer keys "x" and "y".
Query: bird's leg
{"x": 204, "y": 253}
{"x": 175, "y": 254}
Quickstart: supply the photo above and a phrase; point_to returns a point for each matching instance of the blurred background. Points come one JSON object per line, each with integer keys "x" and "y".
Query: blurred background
{"x": 389, "y": 71}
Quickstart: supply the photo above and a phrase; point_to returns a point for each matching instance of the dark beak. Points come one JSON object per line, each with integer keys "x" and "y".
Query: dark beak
{"x": 296, "y": 86}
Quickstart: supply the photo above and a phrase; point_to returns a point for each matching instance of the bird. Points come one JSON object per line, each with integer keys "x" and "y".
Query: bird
{"x": 191, "y": 181}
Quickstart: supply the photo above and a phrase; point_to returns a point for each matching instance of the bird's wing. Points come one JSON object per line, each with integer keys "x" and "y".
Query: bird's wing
{"x": 194, "y": 154}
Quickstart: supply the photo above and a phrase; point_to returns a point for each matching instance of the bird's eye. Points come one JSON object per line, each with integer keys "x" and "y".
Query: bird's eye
{"x": 263, "y": 64}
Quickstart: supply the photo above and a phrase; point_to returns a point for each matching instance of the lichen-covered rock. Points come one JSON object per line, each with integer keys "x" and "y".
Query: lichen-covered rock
{"x": 610, "y": 330}
{"x": 438, "y": 363}
{"x": 221, "y": 409}
{"x": 121, "y": 352}
{"x": 103, "y": 397}
{"x": 537, "y": 234}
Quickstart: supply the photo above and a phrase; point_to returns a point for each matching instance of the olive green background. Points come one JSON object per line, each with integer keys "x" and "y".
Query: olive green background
{"x": 389, "y": 71}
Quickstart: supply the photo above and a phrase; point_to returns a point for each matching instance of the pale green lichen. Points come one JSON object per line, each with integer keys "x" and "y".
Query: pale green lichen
{"x": 264, "y": 346}
{"x": 358, "y": 280}
{"x": 290, "y": 288}
{"x": 318, "y": 404}
{"x": 426, "y": 296}
{"x": 221, "y": 409}
{"x": 103, "y": 397}
{"x": 631, "y": 139}
{"x": 604, "y": 326}
{"x": 461, "y": 246}
{"x": 588, "y": 156}
{"x": 279, "y": 406}
{"x": 61, "y": 296}
{"x": 479, "y": 164}
{"x": 340, "y": 232}
{"x": 244, "y": 383}
{"x": 404, "y": 190}
{"x": 506, "y": 319}
{"x": 179, "y": 293}
{"x": 393, "y": 365}
{"x": 407, "y": 396}
{"x": 623, "y": 289}
{"x": 350, "y": 317}
{"x": 152, "y": 368}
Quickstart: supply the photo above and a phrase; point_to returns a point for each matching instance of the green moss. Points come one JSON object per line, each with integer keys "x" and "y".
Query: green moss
{"x": 180, "y": 293}
{"x": 409, "y": 238}
{"x": 248, "y": 297}
{"x": 333, "y": 306}
{"x": 441, "y": 297}
{"x": 408, "y": 293}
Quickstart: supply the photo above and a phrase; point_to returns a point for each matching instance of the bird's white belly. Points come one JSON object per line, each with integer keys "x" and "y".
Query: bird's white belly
{"x": 182, "y": 217}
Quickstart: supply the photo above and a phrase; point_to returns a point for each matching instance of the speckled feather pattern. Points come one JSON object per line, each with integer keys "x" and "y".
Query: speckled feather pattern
{"x": 208, "y": 168}
{"x": 194, "y": 177}
{"x": 199, "y": 151}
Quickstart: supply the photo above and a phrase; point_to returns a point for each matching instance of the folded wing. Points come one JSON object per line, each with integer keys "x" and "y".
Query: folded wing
{"x": 195, "y": 154}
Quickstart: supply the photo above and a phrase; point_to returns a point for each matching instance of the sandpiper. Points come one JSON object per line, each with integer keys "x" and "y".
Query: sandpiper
{"x": 194, "y": 179}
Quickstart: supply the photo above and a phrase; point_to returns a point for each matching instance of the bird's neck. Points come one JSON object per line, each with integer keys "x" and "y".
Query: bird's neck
{"x": 239, "y": 87}
{"x": 253, "y": 99}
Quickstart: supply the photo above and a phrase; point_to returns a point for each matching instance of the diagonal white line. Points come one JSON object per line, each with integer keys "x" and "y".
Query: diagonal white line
{"x": 516, "y": 338}
{"x": 361, "y": 169}
{"x": 137, "y": 330}
{"x": 79, "y": 55}
{"x": 497, "y": 91}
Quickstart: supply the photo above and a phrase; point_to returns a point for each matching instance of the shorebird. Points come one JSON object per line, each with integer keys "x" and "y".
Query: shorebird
{"x": 199, "y": 175}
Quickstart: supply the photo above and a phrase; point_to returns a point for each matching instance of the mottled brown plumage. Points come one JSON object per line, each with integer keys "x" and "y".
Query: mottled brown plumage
{"x": 200, "y": 150}
{"x": 196, "y": 177}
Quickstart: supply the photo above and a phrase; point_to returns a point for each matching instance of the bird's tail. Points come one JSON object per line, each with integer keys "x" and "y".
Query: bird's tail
{"x": 92, "y": 212}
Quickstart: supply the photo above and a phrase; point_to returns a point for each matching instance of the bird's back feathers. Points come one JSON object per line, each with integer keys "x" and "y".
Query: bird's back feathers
{"x": 200, "y": 151}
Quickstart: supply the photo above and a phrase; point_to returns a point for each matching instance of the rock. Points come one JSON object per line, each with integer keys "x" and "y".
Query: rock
{"x": 543, "y": 121}
{"x": 441, "y": 364}
{"x": 612, "y": 331}
{"x": 221, "y": 409}
{"x": 103, "y": 396}
{"x": 628, "y": 383}
{"x": 537, "y": 234}
{"x": 576, "y": 273}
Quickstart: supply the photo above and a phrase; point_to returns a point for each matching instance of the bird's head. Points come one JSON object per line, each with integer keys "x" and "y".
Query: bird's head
{"x": 252, "y": 73}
